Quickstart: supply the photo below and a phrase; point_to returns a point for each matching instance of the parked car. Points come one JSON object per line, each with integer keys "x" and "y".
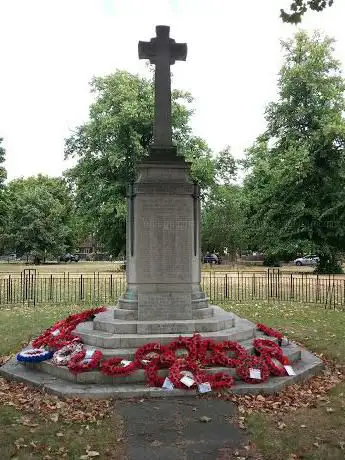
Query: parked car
{"x": 307, "y": 260}
{"x": 69, "y": 258}
{"x": 212, "y": 259}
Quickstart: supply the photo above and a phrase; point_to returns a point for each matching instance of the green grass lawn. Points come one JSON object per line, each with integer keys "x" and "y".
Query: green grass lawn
{"x": 316, "y": 433}
{"x": 311, "y": 433}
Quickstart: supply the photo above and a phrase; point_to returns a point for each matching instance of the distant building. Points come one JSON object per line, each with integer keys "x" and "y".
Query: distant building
{"x": 90, "y": 246}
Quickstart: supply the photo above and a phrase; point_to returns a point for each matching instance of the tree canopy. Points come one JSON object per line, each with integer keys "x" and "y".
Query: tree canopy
{"x": 3, "y": 176}
{"x": 109, "y": 146}
{"x": 39, "y": 216}
{"x": 299, "y": 7}
{"x": 295, "y": 188}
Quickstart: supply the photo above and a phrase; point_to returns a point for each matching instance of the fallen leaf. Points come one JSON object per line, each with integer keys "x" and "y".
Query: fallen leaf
{"x": 92, "y": 453}
{"x": 54, "y": 417}
{"x": 205, "y": 419}
{"x": 59, "y": 435}
{"x": 330, "y": 409}
{"x": 156, "y": 443}
{"x": 281, "y": 425}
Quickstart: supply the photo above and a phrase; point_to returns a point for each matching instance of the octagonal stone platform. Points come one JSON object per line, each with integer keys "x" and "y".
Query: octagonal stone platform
{"x": 104, "y": 334}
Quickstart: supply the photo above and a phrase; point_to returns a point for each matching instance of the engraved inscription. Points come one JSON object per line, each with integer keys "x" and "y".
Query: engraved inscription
{"x": 165, "y": 239}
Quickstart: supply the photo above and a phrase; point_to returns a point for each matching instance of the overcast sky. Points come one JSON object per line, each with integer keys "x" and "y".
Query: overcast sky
{"x": 50, "y": 49}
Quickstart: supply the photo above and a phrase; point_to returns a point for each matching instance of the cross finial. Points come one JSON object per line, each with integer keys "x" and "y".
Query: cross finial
{"x": 162, "y": 51}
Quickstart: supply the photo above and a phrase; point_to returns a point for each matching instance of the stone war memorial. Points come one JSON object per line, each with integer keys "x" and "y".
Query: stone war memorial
{"x": 163, "y": 338}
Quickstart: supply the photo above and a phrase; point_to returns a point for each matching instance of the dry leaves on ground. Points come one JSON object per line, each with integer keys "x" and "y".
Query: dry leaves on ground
{"x": 35, "y": 401}
{"x": 306, "y": 394}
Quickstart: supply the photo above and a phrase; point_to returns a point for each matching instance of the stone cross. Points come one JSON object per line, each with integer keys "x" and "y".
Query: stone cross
{"x": 162, "y": 51}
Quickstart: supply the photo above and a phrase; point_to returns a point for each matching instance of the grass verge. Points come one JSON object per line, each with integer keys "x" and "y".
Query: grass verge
{"x": 312, "y": 433}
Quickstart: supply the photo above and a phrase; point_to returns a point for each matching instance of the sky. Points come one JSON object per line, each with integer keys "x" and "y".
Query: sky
{"x": 51, "y": 49}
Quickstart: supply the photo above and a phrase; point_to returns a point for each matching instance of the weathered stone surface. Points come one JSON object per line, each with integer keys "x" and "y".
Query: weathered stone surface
{"x": 309, "y": 365}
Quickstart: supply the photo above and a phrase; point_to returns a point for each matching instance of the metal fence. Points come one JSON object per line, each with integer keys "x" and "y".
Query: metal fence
{"x": 33, "y": 288}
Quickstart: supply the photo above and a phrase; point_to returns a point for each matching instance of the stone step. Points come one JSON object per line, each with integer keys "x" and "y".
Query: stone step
{"x": 106, "y": 322}
{"x": 241, "y": 331}
{"x": 128, "y": 353}
{"x": 132, "y": 315}
{"x": 308, "y": 365}
{"x": 96, "y": 377}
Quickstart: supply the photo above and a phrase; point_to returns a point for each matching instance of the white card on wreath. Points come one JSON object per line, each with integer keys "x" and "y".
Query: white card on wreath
{"x": 56, "y": 332}
{"x": 187, "y": 381}
{"x": 124, "y": 362}
{"x": 88, "y": 355}
{"x": 289, "y": 370}
{"x": 167, "y": 384}
{"x": 204, "y": 387}
{"x": 255, "y": 374}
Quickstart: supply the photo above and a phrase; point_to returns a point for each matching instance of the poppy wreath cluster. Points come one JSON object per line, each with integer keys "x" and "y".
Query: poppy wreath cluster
{"x": 148, "y": 353}
{"x": 63, "y": 356}
{"x": 270, "y": 332}
{"x": 267, "y": 347}
{"x": 220, "y": 380}
{"x": 253, "y": 362}
{"x": 272, "y": 354}
{"x": 182, "y": 356}
{"x": 60, "y": 334}
{"x": 78, "y": 363}
{"x": 183, "y": 366}
{"x": 116, "y": 367}
{"x": 210, "y": 352}
{"x": 276, "y": 364}
{"x": 238, "y": 354}
{"x": 152, "y": 373}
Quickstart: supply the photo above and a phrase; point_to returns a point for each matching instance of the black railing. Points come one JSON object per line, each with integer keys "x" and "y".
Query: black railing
{"x": 34, "y": 288}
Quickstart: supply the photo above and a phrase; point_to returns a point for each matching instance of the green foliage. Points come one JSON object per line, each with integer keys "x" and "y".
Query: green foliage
{"x": 222, "y": 220}
{"x": 222, "y": 215}
{"x": 299, "y": 7}
{"x": 39, "y": 216}
{"x": 3, "y": 173}
{"x": 295, "y": 189}
{"x": 110, "y": 145}
{"x": 3, "y": 207}
{"x": 226, "y": 166}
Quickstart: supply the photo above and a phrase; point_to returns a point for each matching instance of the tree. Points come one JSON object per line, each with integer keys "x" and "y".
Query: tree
{"x": 222, "y": 220}
{"x": 3, "y": 210}
{"x": 40, "y": 210}
{"x": 222, "y": 216}
{"x": 295, "y": 188}
{"x": 299, "y": 7}
{"x": 110, "y": 145}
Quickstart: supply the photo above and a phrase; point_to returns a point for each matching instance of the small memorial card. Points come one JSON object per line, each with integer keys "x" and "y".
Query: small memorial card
{"x": 204, "y": 387}
{"x": 187, "y": 381}
{"x": 56, "y": 332}
{"x": 124, "y": 362}
{"x": 167, "y": 384}
{"x": 289, "y": 370}
{"x": 255, "y": 374}
{"x": 88, "y": 356}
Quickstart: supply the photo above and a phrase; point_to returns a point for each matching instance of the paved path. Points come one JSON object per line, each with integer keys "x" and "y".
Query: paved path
{"x": 170, "y": 429}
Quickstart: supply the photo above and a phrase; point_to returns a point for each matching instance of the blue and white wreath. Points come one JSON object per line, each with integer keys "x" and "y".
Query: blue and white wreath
{"x": 34, "y": 355}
